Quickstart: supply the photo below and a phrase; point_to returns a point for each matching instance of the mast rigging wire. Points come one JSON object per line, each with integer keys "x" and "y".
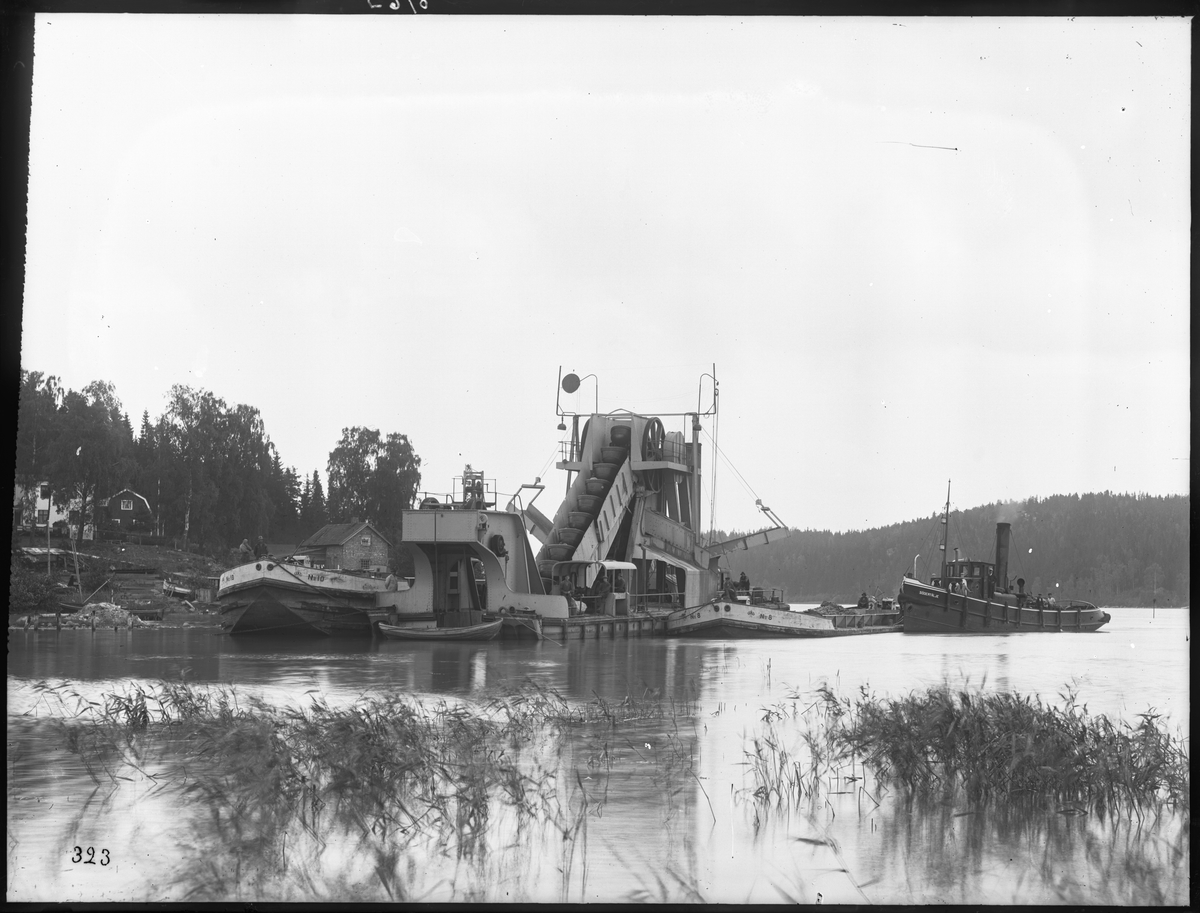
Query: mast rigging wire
{"x": 729, "y": 463}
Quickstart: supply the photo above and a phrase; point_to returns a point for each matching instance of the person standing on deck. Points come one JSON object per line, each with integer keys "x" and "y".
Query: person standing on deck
{"x": 730, "y": 592}
{"x": 568, "y": 590}
{"x": 260, "y": 548}
{"x": 600, "y": 590}
{"x": 244, "y": 550}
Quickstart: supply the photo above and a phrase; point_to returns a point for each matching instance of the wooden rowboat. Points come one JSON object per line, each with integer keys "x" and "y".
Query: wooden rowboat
{"x": 486, "y": 631}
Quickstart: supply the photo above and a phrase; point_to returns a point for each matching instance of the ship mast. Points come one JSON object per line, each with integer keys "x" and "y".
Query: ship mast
{"x": 945, "y": 531}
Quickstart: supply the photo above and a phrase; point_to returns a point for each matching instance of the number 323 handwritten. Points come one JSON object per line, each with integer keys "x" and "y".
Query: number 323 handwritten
{"x": 90, "y": 852}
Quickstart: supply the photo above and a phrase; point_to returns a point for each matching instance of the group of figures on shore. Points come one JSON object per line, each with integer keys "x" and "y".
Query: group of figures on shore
{"x": 259, "y": 550}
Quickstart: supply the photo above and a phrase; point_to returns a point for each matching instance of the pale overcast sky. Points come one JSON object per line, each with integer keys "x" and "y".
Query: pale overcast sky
{"x": 916, "y": 250}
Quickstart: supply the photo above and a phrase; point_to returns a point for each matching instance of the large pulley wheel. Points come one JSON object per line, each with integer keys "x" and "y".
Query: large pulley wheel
{"x": 653, "y": 439}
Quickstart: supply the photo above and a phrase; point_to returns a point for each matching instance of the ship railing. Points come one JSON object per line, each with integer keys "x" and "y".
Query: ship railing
{"x": 456, "y": 499}
{"x": 589, "y": 604}
{"x": 483, "y": 488}
{"x": 765, "y": 595}
{"x": 755, "y": 595}
{"x": 657, "y": 600}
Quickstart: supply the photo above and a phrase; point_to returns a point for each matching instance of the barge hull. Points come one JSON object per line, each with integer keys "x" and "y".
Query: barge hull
{"x": 275, "y": 610}
{"x": 734, "y": 628}
{"x": 750, "y": 620}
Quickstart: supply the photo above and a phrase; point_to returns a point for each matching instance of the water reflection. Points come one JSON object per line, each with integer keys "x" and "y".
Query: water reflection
{"x": 138, "y": 653}
{"x": 663, "y": 805}
{"x": 1027, "y": 854}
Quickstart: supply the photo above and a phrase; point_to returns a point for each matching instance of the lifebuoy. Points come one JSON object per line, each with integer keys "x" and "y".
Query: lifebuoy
{"x": 496, "y": 544}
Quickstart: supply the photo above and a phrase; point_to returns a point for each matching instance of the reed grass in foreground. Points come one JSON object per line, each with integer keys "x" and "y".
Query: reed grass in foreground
{"x": 391, "y": 798}
{"x": 1003, "y": 747}
{"x": 413, "y": 799}
{"x": 995, "y": 769}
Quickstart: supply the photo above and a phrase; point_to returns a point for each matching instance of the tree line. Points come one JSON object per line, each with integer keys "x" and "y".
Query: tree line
{"x": 208, "y": 470}
{"x": 1106, "y": 548}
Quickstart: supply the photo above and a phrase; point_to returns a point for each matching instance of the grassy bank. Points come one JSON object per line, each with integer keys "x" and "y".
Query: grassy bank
{"x": 90, "y": 576}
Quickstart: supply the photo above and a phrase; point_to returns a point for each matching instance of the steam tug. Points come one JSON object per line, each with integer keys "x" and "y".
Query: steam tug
{"x": 976, "y": 597}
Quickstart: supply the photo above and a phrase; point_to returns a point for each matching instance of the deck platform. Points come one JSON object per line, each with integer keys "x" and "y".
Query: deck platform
{"x": 589, "y": 627}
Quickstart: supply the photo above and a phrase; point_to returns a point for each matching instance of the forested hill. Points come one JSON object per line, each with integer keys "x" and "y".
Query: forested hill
{"x": 1111, "y": 549}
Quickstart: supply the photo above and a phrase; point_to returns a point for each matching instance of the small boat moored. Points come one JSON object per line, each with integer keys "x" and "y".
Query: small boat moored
{"x": 176, "y": 585}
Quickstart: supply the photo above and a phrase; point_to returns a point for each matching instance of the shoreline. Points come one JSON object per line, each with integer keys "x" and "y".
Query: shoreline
{"x": 203, "y": 619}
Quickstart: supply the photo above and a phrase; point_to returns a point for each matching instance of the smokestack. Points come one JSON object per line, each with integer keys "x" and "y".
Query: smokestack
{"x": 1003, "y": 532}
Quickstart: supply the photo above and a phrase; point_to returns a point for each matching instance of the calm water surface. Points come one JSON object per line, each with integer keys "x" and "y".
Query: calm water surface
{"x": 650, "y": 834}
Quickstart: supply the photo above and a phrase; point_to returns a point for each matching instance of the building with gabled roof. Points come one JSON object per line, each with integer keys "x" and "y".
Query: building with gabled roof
{"x": 127, "y": 507}
{"x": 357, "y": 546}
